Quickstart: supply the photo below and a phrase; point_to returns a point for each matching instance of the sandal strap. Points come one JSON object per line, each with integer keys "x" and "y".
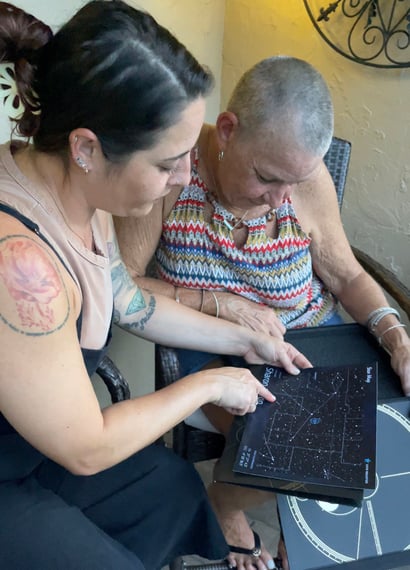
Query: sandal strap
{"x": 256, "y": 551}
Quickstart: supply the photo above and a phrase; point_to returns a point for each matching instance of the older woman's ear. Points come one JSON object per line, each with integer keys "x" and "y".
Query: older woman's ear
{"x": 226, "y": 125}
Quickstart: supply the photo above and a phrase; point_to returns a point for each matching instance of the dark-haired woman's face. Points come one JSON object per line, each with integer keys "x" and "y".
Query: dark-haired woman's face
{"x": 151, "y": 174}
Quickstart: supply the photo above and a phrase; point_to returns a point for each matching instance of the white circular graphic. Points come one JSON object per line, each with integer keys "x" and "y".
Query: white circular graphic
{"x": 340, "y": 533}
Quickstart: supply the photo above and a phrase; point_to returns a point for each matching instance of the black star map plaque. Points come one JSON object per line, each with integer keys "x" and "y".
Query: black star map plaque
{"x": 320, "y": 430}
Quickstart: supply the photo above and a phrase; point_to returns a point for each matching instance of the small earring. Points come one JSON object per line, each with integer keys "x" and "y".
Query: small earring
{"x": 82, "y": 164}
{"x": 220, "y": 155}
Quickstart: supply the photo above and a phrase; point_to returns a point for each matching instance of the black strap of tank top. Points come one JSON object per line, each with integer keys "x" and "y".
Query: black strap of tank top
{"x": 33, "y": 227}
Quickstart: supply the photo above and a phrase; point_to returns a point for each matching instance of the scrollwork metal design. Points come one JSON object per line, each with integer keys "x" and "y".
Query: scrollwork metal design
{"x": 371, "y": 32}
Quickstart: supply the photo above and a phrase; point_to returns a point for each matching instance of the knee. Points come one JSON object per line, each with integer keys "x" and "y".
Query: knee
{"x": 177, "y": 473}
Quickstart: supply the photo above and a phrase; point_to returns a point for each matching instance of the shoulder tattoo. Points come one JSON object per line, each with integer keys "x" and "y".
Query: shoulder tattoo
{"x": 31, "y": 287}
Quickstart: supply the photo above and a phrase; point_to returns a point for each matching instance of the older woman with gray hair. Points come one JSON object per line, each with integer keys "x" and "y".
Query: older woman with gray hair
{"x": 256, "y": 238}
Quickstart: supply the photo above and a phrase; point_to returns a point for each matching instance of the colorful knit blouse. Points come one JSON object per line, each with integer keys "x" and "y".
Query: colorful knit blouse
{"x": 277, "y": 272}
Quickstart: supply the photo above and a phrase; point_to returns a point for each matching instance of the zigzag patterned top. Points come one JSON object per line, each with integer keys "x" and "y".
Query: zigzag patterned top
{"x": 200, "y": 254}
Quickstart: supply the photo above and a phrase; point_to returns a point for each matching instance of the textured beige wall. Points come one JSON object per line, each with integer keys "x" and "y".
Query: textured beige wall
{"x": 198, "y": 24}
{"x": 372, "y": 111}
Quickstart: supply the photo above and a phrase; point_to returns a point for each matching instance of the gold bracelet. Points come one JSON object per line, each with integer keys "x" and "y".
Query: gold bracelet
{"x": 201, "y": 309}
{"x": 216, "y": 304}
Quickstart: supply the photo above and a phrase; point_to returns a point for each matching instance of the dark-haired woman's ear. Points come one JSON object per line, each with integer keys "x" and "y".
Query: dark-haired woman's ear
{"x": 84, "y": 148}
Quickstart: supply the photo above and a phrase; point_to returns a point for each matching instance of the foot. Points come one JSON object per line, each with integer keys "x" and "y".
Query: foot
{"x": 226, "y": 499}
{"x": 257, "y": 556}
{"x": 281, "y": 559}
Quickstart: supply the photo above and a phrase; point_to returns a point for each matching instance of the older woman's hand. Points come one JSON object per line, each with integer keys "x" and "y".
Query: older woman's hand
{"x": 400, "y": 362}
{"x": 250, "y": 314}
{"x": 265, "y": 349}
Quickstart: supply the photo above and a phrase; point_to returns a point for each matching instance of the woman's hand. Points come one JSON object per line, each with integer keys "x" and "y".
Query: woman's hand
{"x": 249, "y": 314}
{"x": 265, "y": 349}
{"x": 235, "y": 389}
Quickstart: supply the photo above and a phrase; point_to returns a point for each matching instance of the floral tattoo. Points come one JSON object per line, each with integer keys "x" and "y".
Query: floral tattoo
{"x": 33, "y": 283}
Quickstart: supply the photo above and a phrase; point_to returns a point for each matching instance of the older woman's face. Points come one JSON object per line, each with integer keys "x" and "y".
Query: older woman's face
{"x": 262, "y": 172}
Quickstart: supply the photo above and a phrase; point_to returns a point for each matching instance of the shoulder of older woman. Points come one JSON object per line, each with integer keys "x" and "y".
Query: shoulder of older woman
{"x": 138, "y": 238}
{"x": 315, "y": 201}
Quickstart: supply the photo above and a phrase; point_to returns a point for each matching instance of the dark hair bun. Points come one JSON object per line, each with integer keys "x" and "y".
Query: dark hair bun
{"x": 21, "y": 36}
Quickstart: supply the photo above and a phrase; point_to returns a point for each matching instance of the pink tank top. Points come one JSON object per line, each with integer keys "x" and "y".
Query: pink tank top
{"x": 90, "y": 271}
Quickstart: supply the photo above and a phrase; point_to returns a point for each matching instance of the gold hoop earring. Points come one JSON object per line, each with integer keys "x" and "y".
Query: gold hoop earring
{"x": 220, "y": 155}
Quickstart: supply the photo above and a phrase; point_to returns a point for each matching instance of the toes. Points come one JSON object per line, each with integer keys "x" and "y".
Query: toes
{"x": 260, "y": 565}
{"x": 242, "y": 562}
{"x": 231, "y": 561}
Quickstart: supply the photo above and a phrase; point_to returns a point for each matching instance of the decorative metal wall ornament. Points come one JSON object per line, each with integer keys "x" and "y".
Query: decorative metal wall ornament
{"x": 371, "y": 32}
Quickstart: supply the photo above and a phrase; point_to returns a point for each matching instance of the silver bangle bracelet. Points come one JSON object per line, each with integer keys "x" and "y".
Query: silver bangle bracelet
{"x": 380, "y": 338}
{"x": 377, "y": 315}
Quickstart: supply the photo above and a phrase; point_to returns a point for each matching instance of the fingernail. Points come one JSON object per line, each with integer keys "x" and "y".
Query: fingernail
{"x": 271, "y": 565}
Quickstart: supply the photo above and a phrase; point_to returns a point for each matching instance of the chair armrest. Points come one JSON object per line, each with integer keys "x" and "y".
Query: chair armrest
{"x": 113, "y": 379}
{"x": 188, "y": 442}
{"x": 386, "y": 279}
{"x": 166, "y": 366}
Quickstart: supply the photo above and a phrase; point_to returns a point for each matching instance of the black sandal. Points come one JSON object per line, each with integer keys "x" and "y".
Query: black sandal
{"x": 278, "y": 563}
{"x": 256, "y": 551}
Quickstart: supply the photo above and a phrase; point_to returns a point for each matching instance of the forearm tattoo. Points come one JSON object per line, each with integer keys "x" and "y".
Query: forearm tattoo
{"x": 131, "y": 310}
{"x": 31, "y": 288}
{"x": 139, "y": 325}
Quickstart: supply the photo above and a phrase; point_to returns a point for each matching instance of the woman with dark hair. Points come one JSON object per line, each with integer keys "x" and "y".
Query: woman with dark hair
{"x": 113, "y": 104}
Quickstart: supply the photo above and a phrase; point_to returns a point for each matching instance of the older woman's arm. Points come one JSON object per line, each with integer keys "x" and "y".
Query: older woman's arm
{"x": 336, "y": 265}
{"x": 138, "y": 239}
{"x": 159, "y": 319}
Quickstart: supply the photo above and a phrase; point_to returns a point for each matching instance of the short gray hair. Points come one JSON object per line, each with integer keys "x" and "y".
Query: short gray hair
{"x": 286, "y": 97}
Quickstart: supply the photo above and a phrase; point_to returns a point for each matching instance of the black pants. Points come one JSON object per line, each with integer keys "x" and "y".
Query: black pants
{"x": 139, "y": 514}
